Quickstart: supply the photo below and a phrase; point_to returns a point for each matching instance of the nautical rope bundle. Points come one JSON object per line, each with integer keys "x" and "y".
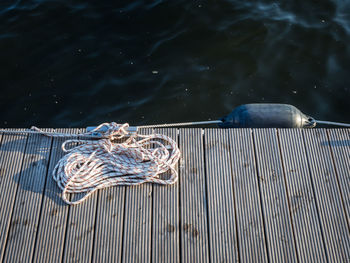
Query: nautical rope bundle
{"x": 98, "y": 161}
{"x": 96, "y": 164}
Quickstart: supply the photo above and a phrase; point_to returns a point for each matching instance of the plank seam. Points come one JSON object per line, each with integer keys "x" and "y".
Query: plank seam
{"x": 314, "y": 193}
{"x": 151, "y": 226}
{"x": 123, "y": 228}
{"x": 180, "y": 254}
{"x": 287, "y": 193}
{"x": 65, "y": 234}
{"x": 338, "y": 183}
{"x": 95, "y": 226}
{"x": 233, "y": 193}
{"x": 260, "y": 195}
{"x": 206, "y": 193}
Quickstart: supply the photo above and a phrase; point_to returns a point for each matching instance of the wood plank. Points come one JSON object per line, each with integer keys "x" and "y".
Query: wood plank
{"x": 328, "y": 198}
{"x": 28, "y": 200}
{"x": 109, "y": 225}
{"x": 137, "y": 221}
{"x": 305, "y": 218}
{"x": 53, "y": 221}
{"x": 165, "y": 227}
{"x": 250, "y": 227}
{"x": 221, "y": 220}
{"x": 339, "y": 140}
{"x": 193, "y": 201}
{"x": 80, "y": 229}
{"x": 280, "y": 240}
{"x": 11, "y": 158}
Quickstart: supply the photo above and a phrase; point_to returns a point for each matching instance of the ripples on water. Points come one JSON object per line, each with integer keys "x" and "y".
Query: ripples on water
{"x": 78, "y": 63}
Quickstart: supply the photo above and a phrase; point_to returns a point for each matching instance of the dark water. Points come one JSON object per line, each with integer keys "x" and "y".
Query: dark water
{"x": 78, "y": 63}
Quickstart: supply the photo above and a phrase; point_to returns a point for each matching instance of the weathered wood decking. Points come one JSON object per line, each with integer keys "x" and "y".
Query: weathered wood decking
{"x": 243, "y": 195}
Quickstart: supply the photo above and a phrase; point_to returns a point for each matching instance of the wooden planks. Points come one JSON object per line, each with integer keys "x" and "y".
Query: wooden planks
{"x": 137, "y": 221}
{"x": 243, "y": 195}
{"x": 53, "y": 222}
{"x": 332, "y": 213}
{"x": 304, "y": 211}
{"x": 339, "y": 141}
{"x": 221, "y": 219}
{"x": 26, "y": 211}
{"x": 279, "y": 230}
{"x": 109, "y": 225}
{"x": 11, "y": 157}
{"x": 193, "y": 199}
{"x": 250, "y": 225}
{"x": 165, "y": 227}
{"x": 78, "y": 244}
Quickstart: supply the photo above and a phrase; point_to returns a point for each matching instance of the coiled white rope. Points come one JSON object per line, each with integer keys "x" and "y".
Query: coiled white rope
{"x": 94, "y": 164}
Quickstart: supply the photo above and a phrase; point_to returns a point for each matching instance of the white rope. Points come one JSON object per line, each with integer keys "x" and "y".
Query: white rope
{"x": 333, "y": 123}
{"x": 180, "y": 124}
{"x": 96, "y": 164}
{"x": 92, "y": 134}
{"x": 35, "y": 130}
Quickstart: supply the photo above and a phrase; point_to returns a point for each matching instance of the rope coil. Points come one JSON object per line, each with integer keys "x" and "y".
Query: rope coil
{"x": 92, "y": 164}
{"x": 96, "y": 164}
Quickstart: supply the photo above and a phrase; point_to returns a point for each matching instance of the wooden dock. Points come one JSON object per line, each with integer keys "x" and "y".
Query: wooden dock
{"x": 248, "y": 195}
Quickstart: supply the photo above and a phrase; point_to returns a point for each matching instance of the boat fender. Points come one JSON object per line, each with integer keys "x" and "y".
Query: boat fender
{"x": 267, "y": 115}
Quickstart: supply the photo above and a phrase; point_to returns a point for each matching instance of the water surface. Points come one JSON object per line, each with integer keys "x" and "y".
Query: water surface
{"x": 79, "y": 63}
